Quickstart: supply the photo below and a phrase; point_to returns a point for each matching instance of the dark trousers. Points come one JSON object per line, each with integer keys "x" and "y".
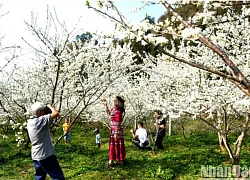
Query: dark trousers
{"x": 160, "y": 136}
{"x": 137, "y": 143}
{"x": 49, "y": 166}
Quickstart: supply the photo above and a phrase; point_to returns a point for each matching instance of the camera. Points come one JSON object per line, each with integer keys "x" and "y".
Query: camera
{"x": 47, "y": 110}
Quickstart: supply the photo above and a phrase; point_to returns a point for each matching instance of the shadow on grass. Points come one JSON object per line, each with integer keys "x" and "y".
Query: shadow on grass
{"x": 18, "y": 153}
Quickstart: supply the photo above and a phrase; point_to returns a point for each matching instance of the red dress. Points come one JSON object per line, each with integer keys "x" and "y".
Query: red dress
{"x": 116, "y": 146}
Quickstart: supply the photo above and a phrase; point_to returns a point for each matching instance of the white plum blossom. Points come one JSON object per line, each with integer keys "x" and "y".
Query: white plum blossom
{"x": 190, "y": 33}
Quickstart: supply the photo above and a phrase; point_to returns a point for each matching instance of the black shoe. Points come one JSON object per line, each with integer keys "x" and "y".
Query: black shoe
{"x": 110, "y": 165}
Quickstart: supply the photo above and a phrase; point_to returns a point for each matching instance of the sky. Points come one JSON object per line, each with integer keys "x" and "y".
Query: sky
{"x": 13, "y": 28}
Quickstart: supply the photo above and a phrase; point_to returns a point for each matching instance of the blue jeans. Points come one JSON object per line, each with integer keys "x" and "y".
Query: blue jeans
{"x": 67, "y": 137}
{"x": 49, "y": 166}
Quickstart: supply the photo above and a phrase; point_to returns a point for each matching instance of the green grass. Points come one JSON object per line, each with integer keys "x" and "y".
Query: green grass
{"x": 83, "y": 160}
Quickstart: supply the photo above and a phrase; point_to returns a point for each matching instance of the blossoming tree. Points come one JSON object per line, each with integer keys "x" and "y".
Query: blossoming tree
{"x": 69, "y": 75}
{"x": 216, "y": 43}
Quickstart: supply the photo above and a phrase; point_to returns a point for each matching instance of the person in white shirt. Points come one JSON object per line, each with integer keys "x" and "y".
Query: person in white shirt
{"x": 140, "y": 137}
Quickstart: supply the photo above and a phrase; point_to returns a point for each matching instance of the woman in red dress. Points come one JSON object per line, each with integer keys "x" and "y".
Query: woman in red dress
{"x": 116, "y": 142}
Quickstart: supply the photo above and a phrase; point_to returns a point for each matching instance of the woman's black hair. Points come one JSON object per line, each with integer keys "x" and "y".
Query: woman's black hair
{"x": 159, "y": 112}
{"x": 120, "y": 104}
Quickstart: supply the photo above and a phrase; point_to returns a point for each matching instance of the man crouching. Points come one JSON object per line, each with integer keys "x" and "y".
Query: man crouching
{"x": 140, "y": 137}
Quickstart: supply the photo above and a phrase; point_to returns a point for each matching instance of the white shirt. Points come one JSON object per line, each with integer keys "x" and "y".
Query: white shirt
{"x": 142, "y": 136}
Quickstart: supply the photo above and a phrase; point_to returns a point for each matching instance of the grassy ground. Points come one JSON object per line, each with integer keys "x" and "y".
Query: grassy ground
{"x": 83, "y": 160}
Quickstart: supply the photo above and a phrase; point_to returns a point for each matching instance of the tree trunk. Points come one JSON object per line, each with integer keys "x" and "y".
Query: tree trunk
{"x": 135, "y": 124}
{"x": 222, "y": 145}
{"x": 236, "y": 167}
{"x": 169, "y": 126}
{"x": 234, "y": 156}
{"x": 183, "y": 131}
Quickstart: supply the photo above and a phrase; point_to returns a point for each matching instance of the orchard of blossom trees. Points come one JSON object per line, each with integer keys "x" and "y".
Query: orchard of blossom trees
{"x": 201, "y": 70}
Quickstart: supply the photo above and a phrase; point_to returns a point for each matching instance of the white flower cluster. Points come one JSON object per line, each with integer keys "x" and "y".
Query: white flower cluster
{"x": 191, "y": 33}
